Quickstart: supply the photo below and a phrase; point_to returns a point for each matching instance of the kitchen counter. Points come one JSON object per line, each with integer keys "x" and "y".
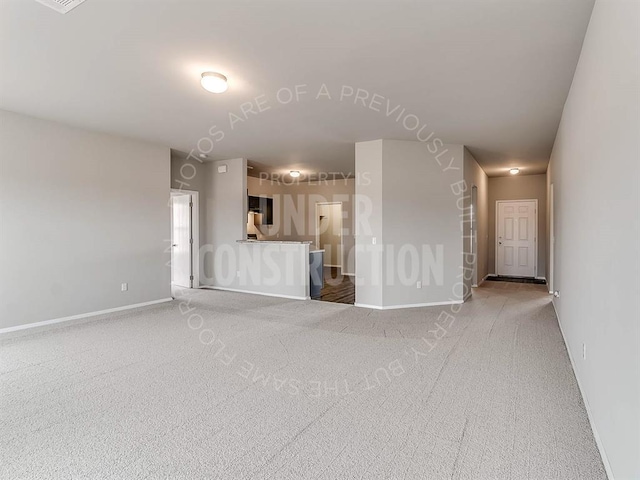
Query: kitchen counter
{"x": 273, "y": 241}
{"x": 312, "y": 248}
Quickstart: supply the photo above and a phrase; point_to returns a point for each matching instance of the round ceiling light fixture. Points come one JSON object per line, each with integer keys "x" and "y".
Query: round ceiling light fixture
{"x": 514, "y": 171}
{"x": 214, "y": 82}
{"x": 294, "y": 173}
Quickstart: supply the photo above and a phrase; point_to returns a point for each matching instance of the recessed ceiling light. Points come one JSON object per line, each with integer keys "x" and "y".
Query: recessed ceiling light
{"x": 214, "y": 82}
{"x": 294, "y": 173}
{"x": 514, "y": 171}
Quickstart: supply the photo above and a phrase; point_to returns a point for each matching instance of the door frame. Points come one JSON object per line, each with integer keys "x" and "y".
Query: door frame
{"x": 474, "y": 234}
{"x": 317, "y": 222}
{"x": 552, "y": 239}
{"x": 195, "y": 231}
{"x": 535, "y": 238}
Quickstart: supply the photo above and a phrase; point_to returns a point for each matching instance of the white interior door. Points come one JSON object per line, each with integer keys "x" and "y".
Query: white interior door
{"x": 516, "y": 237}
{"x": 181, "y": 274}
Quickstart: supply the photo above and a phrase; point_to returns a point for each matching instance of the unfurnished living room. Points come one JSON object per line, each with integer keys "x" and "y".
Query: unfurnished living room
{"x": 287, "y": 239}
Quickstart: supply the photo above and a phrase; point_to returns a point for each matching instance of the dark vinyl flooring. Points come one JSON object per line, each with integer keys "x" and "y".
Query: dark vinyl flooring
{"x": 500, "y": 278}
{"x": 337, "y": 288}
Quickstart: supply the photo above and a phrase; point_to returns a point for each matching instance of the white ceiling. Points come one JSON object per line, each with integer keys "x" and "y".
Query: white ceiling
{"x": 490, "y": 74}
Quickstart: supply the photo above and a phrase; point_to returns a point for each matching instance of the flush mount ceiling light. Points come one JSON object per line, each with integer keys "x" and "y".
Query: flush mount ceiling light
{"x": 294, "y": 173}
{"x": 514, "y": 171}
{"x": 214, "y": 82}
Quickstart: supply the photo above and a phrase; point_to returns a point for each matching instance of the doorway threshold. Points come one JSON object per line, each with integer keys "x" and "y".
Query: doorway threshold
{"x": 505, "y": 278}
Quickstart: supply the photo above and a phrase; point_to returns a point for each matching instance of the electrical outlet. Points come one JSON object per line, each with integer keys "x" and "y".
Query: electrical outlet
{"x": 556, "y": 294}
{"x": 374, "y": 241}
{"x": 419, "y": 285}
{"x": 124, "y": 287}
{"x": 238, "y": 274}
{"x": 584, "y": 351}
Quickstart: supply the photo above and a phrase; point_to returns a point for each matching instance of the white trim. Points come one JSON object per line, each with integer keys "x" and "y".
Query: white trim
{"x": 473, "y": 241}
{"x": 552, "y": 235}
{"x": 195, "y": 232}
{"x": 348, "y": 274}
{"x": 82, "y": 315}
{"x": 317, "y": 222}
{"x": 596, "y": 436}
{"x": 541, "y": 278}
{"x": 535, "y": 242}
{"x": 411, "y": 305}
{"x": 483, "y": 280}
{"x": 237, "y": 290}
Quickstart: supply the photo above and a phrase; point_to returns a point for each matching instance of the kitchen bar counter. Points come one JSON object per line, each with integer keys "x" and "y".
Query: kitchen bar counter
{"x": 286, "y": 242}
{"x": 273, "y": 241}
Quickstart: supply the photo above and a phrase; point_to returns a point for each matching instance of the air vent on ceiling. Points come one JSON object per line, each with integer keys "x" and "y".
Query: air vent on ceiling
{"x": 61, "y": 6}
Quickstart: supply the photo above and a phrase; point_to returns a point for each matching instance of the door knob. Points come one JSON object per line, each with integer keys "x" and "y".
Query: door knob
{"x": 499, "y": 243}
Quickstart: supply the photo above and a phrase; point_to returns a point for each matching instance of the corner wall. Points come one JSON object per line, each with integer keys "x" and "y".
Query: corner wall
{"x": 81, "y": 212}
{"x": 225, "y": 223}
{"x": 414, "y": 211}
{"x": 595, "y": 172}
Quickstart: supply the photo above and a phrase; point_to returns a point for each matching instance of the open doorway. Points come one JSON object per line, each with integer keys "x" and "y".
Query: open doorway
{"x": 329, "y": 232}
{"x": 337, "y": 287}
{"x": 184, "y": 239}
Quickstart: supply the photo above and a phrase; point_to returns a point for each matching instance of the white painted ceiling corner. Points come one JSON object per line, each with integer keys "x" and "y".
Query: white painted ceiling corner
{"x": 61, "y": 6}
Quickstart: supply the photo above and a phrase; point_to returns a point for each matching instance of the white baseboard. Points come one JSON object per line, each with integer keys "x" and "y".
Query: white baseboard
{"x": 348, "y": 274}
{"x": 82, "y": 315}
{"x": 482, "y": 281}
{"x": 603, "y": 454}
{"x": 237, "y": 290}
{"x": 411, "y": 305}
{"x": 333, "y": 266}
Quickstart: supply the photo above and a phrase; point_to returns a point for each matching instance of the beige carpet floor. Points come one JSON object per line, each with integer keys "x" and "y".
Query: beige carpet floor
{"x": 235, "y": 386}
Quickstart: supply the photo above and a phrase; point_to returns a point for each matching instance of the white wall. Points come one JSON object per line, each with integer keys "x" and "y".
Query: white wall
{"x": 595, "y": 172}
{"x": 368, "y": 224}
{"x": 225, "y": 221}
{"x": 81, "y": 213}
{"x": 414, "y": 205}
